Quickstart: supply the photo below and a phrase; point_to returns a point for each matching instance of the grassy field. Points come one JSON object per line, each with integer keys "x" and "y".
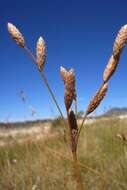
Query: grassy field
{"x": 47, "y": 164}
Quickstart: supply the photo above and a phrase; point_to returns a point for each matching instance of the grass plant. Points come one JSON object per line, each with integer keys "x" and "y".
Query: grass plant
{"x": 71, "y": 127}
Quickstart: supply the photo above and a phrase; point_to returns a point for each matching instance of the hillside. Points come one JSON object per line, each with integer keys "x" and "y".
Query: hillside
{"x": 116, "y": 112}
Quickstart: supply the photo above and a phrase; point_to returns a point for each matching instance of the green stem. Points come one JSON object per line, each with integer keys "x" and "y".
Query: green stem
{"x": 76, "y": 109}
{"x": 51, "y": 93}
{"x": 80, "y": 128}
{"x": 84, "y": 118}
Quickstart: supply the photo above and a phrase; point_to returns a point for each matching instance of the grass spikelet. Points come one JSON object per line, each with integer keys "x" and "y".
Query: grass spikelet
{"x": 72, "y": 119}
{"x": 63, "y": 73}
{"x": 110, "y": 68}
{"x": 120, "y": 41}
{"x": 74, "y": 129}
{"x": 97, "y": 98}
{"x": 68, "y": 99}
{"x": 122, "y": 136}
{"x": 70, "y": 93}
{"x": 40, "y": 53}
{"x": 16, "y": 35}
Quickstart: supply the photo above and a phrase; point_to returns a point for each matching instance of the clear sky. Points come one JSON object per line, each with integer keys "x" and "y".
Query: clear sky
{"x": 78, "y": 34}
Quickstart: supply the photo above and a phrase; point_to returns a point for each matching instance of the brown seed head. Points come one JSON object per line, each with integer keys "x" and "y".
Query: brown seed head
{"x": 122, "y": 136}
{"x": 16, "y": 35}
{"x": 71, "y": 83}
{"x": 110, "y": 68}
{"x": 70, "y": 93}
{"x": 40, "y": 53}
{"x": 72, "y": 119}
{"x": 73, "y": 128}
{"x": 63, "y": 73}
{"x": 120, "y": 41}
{"x": 94, "y": 103}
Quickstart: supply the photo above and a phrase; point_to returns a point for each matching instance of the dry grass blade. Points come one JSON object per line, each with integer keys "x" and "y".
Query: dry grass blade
{"x": 16, "y": 35}
{"x": 120, "y": 41}
{"x": 97, "y": 98}
{"x": 40, "y": 53}
{"x": 63, "y": 73}
{"x": 110, "y": 68}
{"x": 70, "y": 93}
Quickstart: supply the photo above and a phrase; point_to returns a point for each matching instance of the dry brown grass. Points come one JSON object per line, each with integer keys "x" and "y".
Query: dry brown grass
{"x": 48, "y": 165}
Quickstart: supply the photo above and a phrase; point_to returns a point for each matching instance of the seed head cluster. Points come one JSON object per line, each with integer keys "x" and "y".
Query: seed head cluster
{"x": 69, "y": 82}
{"x": 120, "y": 41}
{"x": 118, "y": 46}
{"x": 16, "y": 35}
{"x": 40, "y": 53}
{"x": 96, "y": 100}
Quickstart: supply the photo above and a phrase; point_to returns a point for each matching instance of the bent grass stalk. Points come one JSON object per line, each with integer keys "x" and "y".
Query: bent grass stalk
{"x": 94, "y": 103}
{"x": 28, "y": 51}
{"x": 66, "y": 137}
{"x": 46, "y": 82}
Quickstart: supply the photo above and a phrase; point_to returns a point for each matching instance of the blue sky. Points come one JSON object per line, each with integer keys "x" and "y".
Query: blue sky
{"x": 78, "y": 34}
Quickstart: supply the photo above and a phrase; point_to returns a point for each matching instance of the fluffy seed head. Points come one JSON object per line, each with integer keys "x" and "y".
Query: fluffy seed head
{"x": 70, "y": 93}
{"x": 94, "y": 103}
{"x": 63, "y": 73}
{"x": 40, "y": 53}
{"x": 16, "y": 35}
{"x": 110, "y": 68}
{"x": 120, "y": 41}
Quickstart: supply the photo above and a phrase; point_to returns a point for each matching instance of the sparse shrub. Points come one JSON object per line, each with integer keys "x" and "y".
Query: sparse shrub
{"x": 80, "y": 114}
{"x": 57, "y": 122}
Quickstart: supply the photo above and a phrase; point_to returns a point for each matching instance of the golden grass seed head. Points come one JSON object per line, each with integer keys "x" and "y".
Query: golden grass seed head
{"x": 68, "y": 99}
{"x": 70, "y": 92}
{"x": 71, "y": 82}
{"x": 96, "y": 100}
{"x": 16, "y": 35}
{"x": 110, "y": 68}
{"x": 120, "y": 41}
{"x": 63, "y": 73}
{"x": 40, "y": 53}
